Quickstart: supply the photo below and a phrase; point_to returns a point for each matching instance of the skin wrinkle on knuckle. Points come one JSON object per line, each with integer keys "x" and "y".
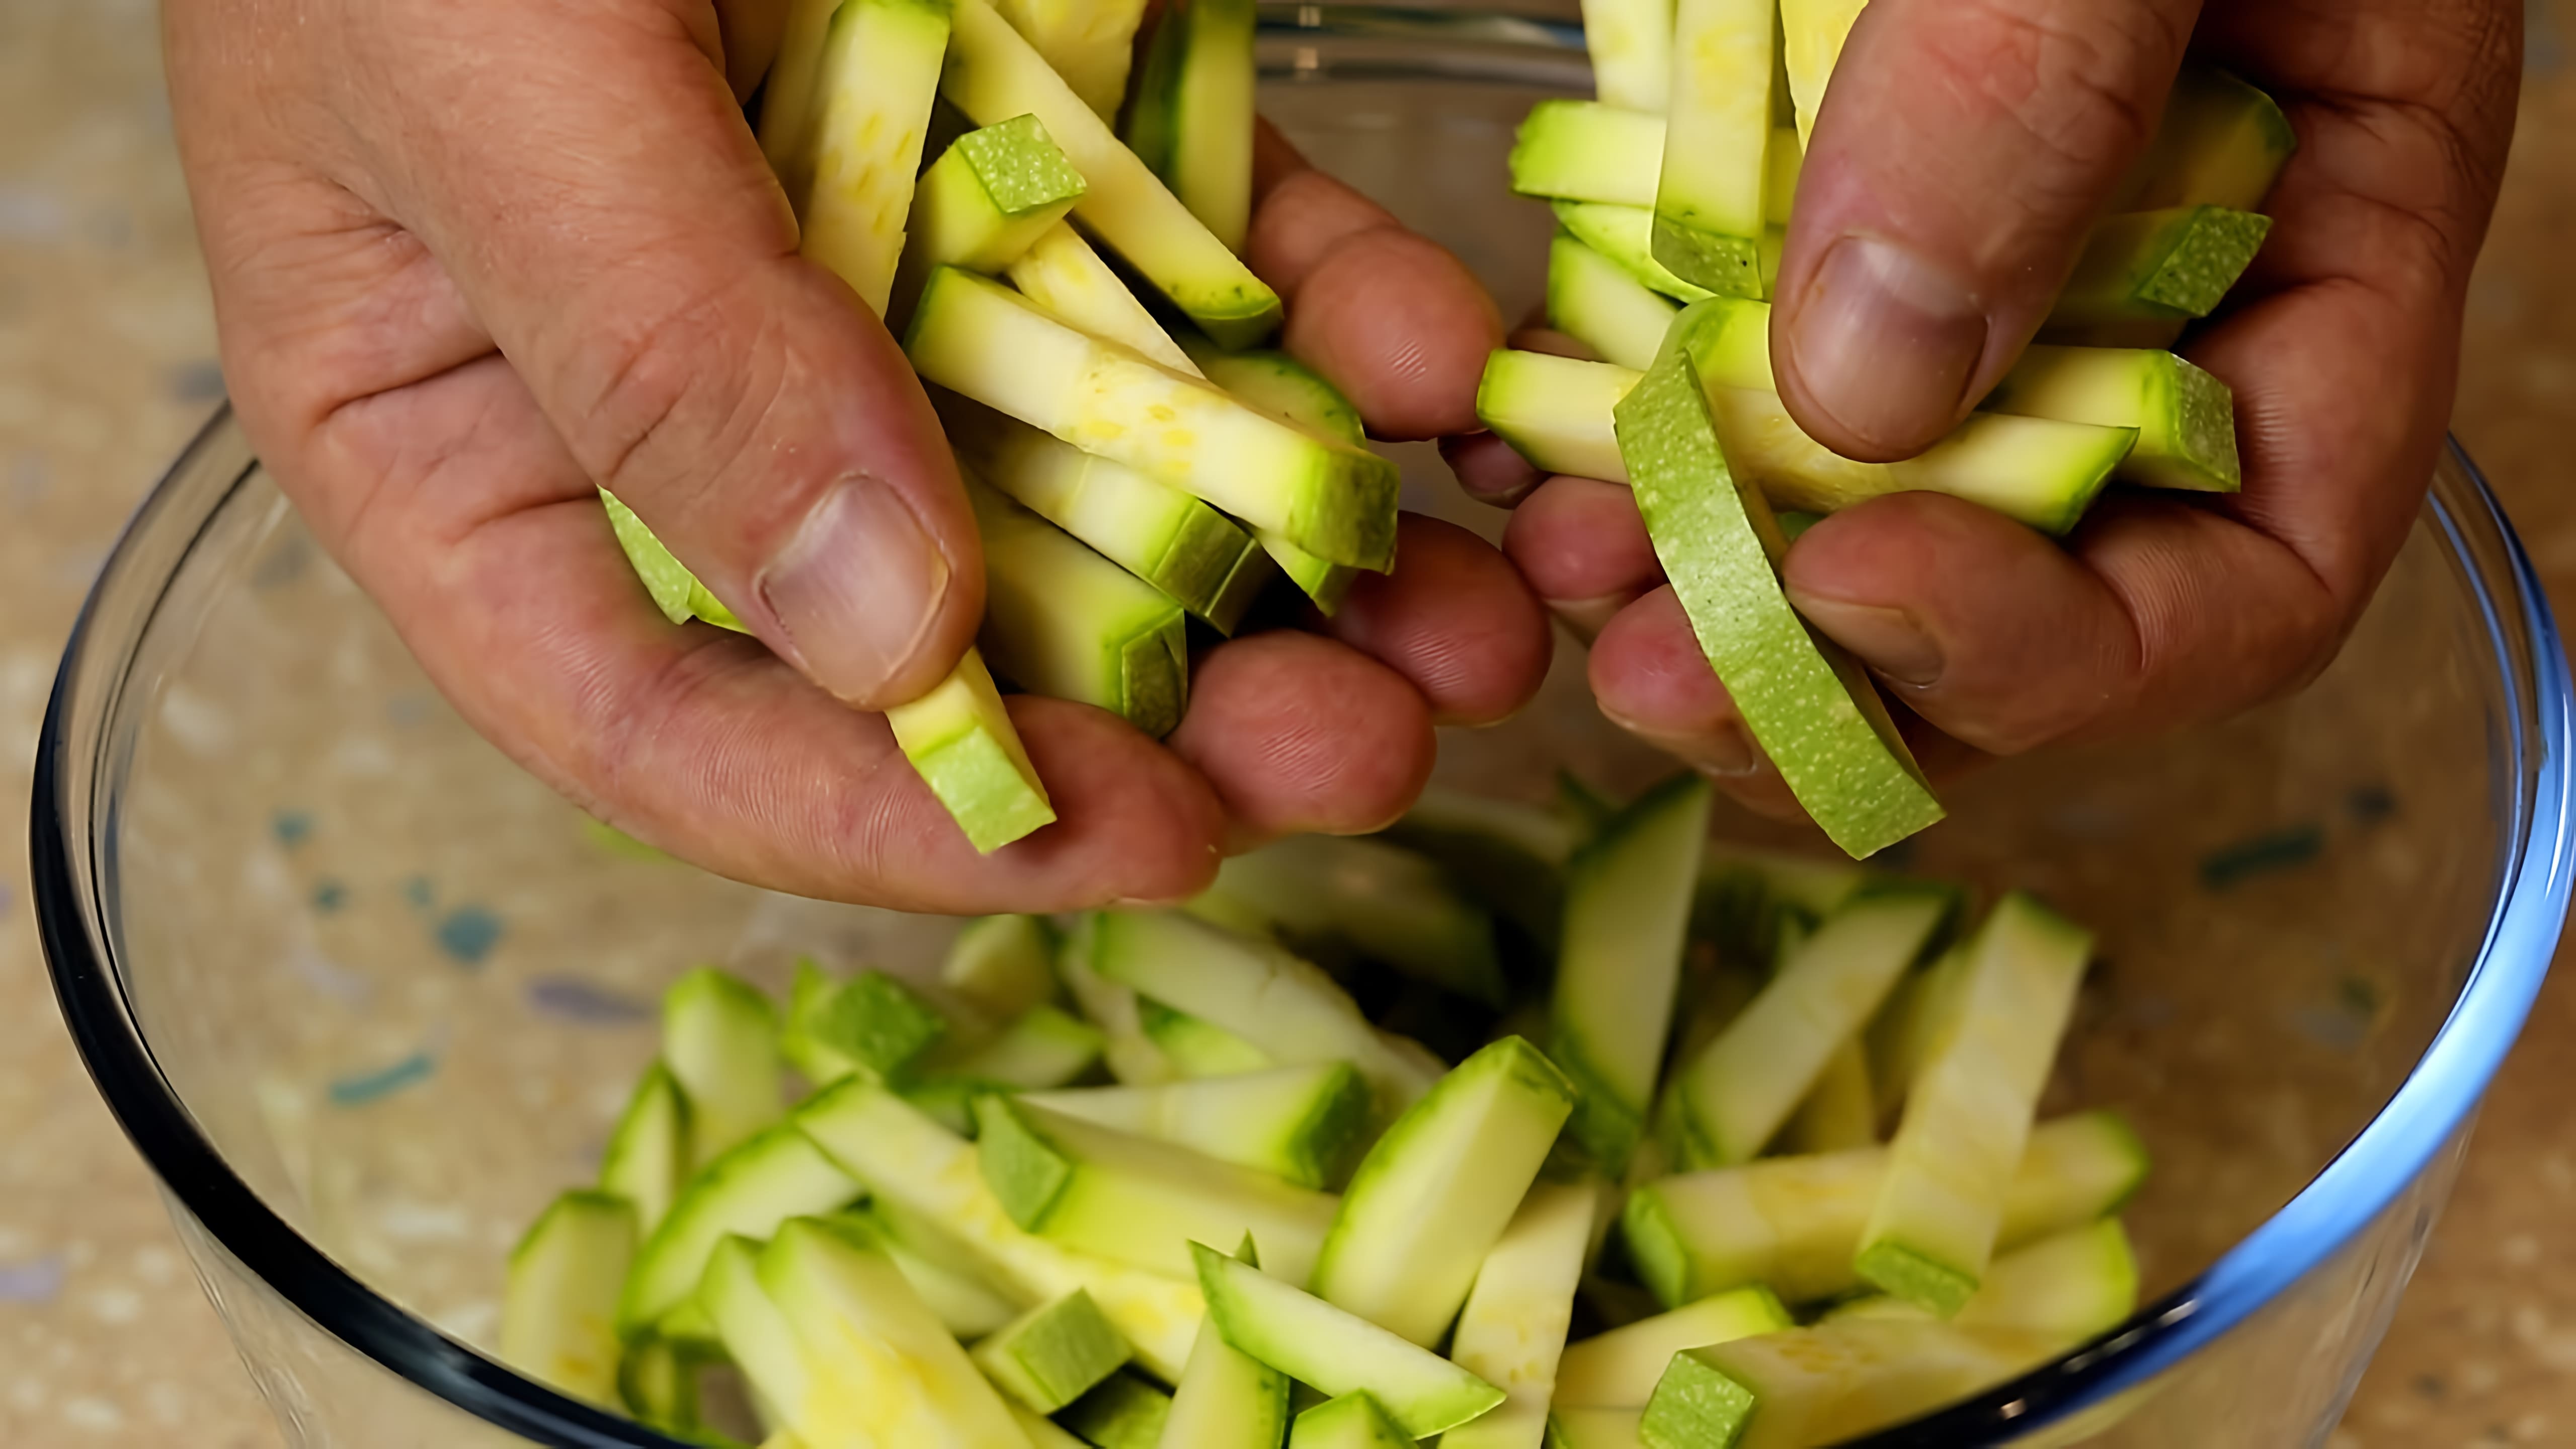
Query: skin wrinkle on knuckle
{"x": 2071, "y": 86}
{"x": 683, "y": 373}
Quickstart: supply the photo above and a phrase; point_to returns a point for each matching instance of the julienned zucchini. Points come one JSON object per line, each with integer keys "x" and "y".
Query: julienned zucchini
{"x": 1062, "y": 621}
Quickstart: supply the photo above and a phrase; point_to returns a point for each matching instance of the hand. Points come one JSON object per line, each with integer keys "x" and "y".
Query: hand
{"x": 474, "y": 259}
{"x": 1961, "y": 156}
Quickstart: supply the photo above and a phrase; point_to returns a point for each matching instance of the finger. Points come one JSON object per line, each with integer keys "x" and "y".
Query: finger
{"x": 630, "y": 253}
{"x": 1454, "y": 620}
{"x": 486, "y": 547}
{"x": 1962, "y": 154}
{"x": 1489, "y": 469}
{"x": 1388, "y": 316}
{"x": 1650, "y": 679}
{"x": 1302, "y": 734}
{"x": 1583, "y": 548}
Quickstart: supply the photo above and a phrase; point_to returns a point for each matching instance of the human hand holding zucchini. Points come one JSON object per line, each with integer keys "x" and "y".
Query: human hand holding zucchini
{"x": 1866, "y": 273}
{"x": 448, "y": 336}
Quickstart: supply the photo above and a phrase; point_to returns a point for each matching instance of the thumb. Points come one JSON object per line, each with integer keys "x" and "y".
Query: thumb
{"x": 624, "y": 244}
{"x": 1963, "y": 153}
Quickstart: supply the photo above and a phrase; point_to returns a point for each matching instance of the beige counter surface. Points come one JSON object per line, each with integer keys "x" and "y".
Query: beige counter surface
{"x": 106, "y": 367}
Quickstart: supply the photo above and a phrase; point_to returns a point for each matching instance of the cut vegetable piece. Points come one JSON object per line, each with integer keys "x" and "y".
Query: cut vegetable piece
{"x": 1123, "y": 1413}
{"x": 1336, "y": 1352}
{"x": 1793, "y": 1222}
{"x": 1510, "y": 856}
{"x": 2038, "y": 471}
{"x": 1595, "y": 301}
{"x": 1197, "y": 1048}
{"x": 982, "y": 340}
{"x": 1738, "y": 1091}
{"x": 1556, "y": 411}
{"x": 1300, "y": 1123}
{"x": 1436, "y": 1192}
{"x": 983, "y": 204}
{"x": 810, "y": 994}
{"x": 1064, "y": 622}
{"x": 1156, "y": 532}
{"x": 1813, "y": 33}
{"x": 1353, "y": 1421}
{"x": 657, "y": 1381}
{"x": 960, "y": 738}
{"x": 787, "y": 105}
{"x": 648, "y": 1151}
{"x": 1117, "y": 1010}
{"x": 994, "y": 75}
{"x": 1631, "y": 45}
{"x": 675, "y": 590}
{"x": 1709, "y": 205}
{"x": 948, "y": 1280}
{"x": 1618, "y": 1369}
{"x": 1004, "y": 964}
{"x": 1287, "y": 1008}
{"x": 1043, "y": 1432}
{"x": 1826, "y": 1384}
{"x": 751, "y": 1190}
{"x": 1751, "y": 899}
{"x": 1192, "y": 118}
{"x": 1063, "y": 275}
{"x": 2150, "y": 266}
{"x": 1587, "y": 151}
{"x": 878, "y": 1024}
{"x": 1226, "y": 1398}
{"x": 1967, "y": 1121}
{"x": 1053, "y": 1354}
{"x": 720, "y": 1040}
{"x": 1511, "y": 1334}
{"x": 1918, "y": 1013}
{"x": 786, "y": 1381}
{"x": 2221, "y": 143}
{"x": 1811, "y": 707}
{"x": 1135, "y": 1199}
{"x": 1043, "y": 1048}
{"x": 863, "y": 1324}
{"x": 1089, "y": 43}
{"x": 1627, "y": 910}
{"x": 1283, "y": 387}
{"x": 1625, "y": 234}
{"x": 1572, "y": 1428}
{"x": 935, "y": 1178}
{"x": 1388, "y": 904}
{"x": 2066, "y": 1288}
{"x": 1840, "y": 1111}
{"x": 2186, "y": 419}
{"x": 559, "y": 1314}
{"x": 871, "y": 111}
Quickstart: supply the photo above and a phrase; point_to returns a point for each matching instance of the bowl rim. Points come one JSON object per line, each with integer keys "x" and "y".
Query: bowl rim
{"x": 73, "y": 896}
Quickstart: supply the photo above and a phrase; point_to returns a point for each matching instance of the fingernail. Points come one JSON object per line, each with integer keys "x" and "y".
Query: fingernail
{"x": 1725, "y": 751}
{"x": 1887, "y": 640}
{"x": 856, "y": 588}
{"x": 1885, "y": 342}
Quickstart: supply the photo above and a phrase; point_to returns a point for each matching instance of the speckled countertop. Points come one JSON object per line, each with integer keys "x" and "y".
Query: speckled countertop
{"x": 106, "y": 367}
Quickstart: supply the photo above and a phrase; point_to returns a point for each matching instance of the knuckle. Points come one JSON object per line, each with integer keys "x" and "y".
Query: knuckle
{"x": 673, "y": 398}
{"x": 2075, "y": 82}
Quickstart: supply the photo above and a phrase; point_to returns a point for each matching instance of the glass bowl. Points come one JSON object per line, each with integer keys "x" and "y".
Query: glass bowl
{"x": 365, "y": 996}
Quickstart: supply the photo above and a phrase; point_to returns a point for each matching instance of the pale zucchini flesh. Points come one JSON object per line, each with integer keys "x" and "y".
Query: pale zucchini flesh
{"x": 1813, "y": 32}
{"x": 1512, "y": 1331}
{"x": 1631, "y": 46}
{"x": 2066, "y": 1288}
{"x": 2186, "y": 419}
{"x": 1061, "y": 273}
{"x": 1595, "y": 301}
{"x": 1557, "y": 412}
{"x": 994, "y": 75}
{"x": 559, "y": 1312}
{"x": 1826, "y": 1384}
{"x": 1619, "y": 1368}
{"x": 1628, "y": 900}
{"x": 1192, "y": 118}
{"x": 1302, "y": 1124}
{"x": 1196, "y": 1047}
{"x": 1840, "y": 1112}
{"x": 1383, "y": 902}
{"x": 959, "y": 737}
{"x": 1740, "y": 1090}
{"x": 1625, "y": 234}
{"x": 1137, "y": 1200}
{"x": 992, "y": 345}
{"x": 1588, "y": 151}
{"x": 1060, "y": 620}
{"x": 1439, "y": 1189}
{"x": 1226, "y": 1399}
{"x": 1353, "y": 1421}
{"x": 1794, "y": 1222}
{"x": 1967, "y": 1121}
{"x": 749, "y": 1191}
{"x": 1003, "y": 964}
{"x": 873, "y": 93}
{"x": 1338, "y": 1352}
{"x": 720, "y": 1041}
{"x": 1041, "y": 1048}
{"x": 1710, "y": 203}
{"x": 913, "y": 1164}
{"x": 1089, "y": 43}
{"x": 648, "y": 1154}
